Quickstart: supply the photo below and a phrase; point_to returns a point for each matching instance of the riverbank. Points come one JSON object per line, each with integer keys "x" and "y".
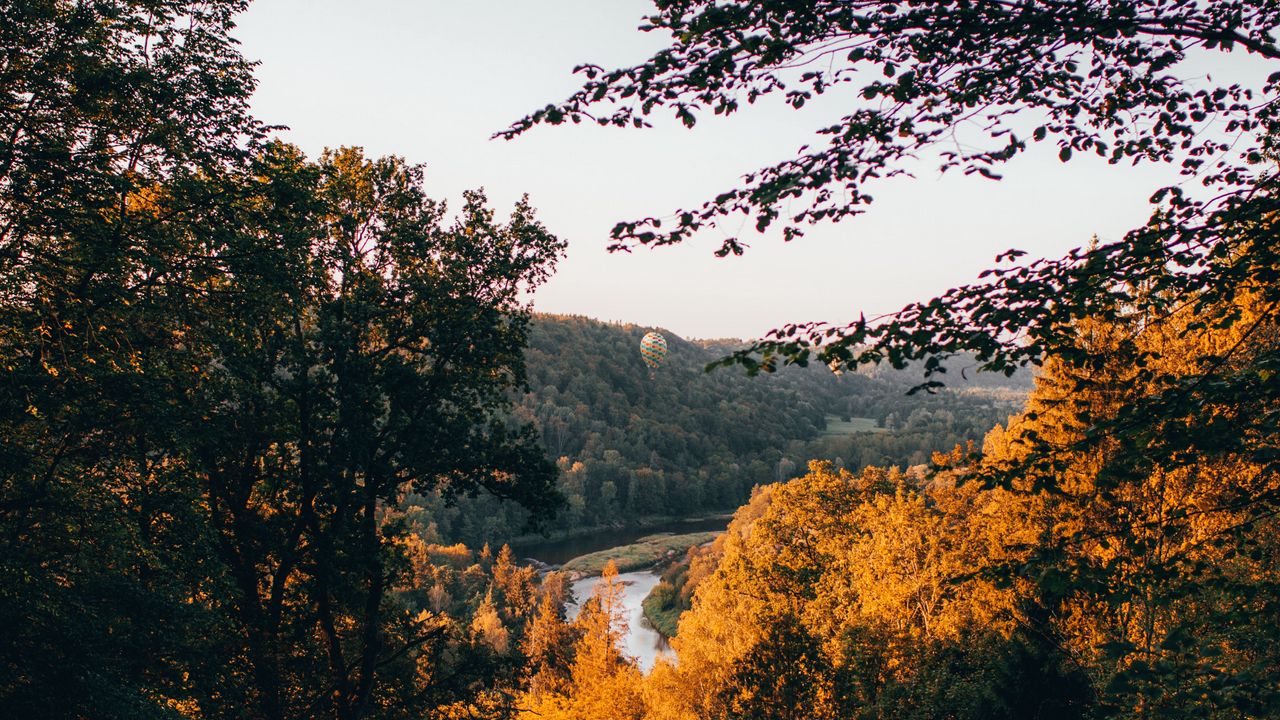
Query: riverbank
{"x": 642, "y": 554}
{"x": 643, "y": 522}
{"x": 641, "y": 642}
{"x": 658, "y": 610}
{"x": 584, "y": 541}
{"x": 639, "y": 555}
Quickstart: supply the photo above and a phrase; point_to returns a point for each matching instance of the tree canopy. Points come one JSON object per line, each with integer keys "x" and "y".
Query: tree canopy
{"x": 633, "y": 444}
{"x": 880, "y": 594}
{"x": 1151, "y": 445}
{"x": 234, "y": 378}
{"x": 1095, "y": 77}
{"x": 1098, "y": 77}
{"x": 221, "y": 366}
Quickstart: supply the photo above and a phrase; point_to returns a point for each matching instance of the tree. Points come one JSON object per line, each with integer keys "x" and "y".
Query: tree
{"x": 221, "y": 365}
{"x": 602, "y": 682}
{"x": 488, "y": 628}
{"x": 105, "y": 108}
{"x": 784, "y": 676}
{"x": 379, "y": 361}
{"x": 548, "y": 645}
{"x": 1092, "y": 77}
{"x": 1172, "y": 563}
{"x": 1097, "y": 75}
{"x": 343, "y": 342}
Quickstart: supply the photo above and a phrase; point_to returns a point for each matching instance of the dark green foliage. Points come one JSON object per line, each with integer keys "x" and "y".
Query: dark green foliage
{"x": 491, "y": 629}
{"x": 1095, "y": 77}
{"x": 983, "y": 677}
{"x": 785, "y": 676}
{"x": 99, "y": 103}
{"x": 677, "y": 441}
{"x": 219, "y": 365}
{"x": 380, "y": 365}
{"x": 662, "y": 610}
{"x": 204, "y": 501}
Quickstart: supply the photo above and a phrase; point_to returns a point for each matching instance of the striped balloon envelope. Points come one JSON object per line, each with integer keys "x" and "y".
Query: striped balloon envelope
{"x": 653, "y": 349}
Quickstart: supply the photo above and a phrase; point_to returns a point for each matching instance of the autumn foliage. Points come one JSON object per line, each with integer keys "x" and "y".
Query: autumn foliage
{"x": 965, "y": 590}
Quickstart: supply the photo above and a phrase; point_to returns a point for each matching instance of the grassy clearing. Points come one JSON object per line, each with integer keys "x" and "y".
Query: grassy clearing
{"x": 838, "y": 426}
{"x": 643, "y": 553}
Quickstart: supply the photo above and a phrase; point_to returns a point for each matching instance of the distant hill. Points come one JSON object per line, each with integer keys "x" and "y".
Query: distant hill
{"x": 635, "y": 442}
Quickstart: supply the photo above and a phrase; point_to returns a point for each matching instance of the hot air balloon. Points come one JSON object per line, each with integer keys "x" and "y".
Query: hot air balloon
{"x": 653, "y": 349}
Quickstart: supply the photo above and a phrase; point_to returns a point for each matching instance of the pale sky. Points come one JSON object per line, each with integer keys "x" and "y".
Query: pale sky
{"x": 431, "y": 80}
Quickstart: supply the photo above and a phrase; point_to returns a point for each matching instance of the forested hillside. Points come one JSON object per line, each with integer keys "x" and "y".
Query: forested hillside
{"x": 634, "y": 442}
{"x": 967, "y": 592}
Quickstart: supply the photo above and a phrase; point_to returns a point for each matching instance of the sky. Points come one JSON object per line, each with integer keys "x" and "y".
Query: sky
{"x": 432, "y": 80}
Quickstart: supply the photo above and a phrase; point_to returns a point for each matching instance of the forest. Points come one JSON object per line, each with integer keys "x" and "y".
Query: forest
{"x": 631, "y": 443}
{"x": 878, "y": 594}
{"x": 261, "y": 409}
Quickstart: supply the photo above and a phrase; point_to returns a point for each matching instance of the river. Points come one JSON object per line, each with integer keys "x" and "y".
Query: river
{"x": 558, "y": 552}
{"x": 641, "y": 642}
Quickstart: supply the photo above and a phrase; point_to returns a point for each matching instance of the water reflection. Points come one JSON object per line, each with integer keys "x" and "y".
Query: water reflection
{"x": 642, "y": 642}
